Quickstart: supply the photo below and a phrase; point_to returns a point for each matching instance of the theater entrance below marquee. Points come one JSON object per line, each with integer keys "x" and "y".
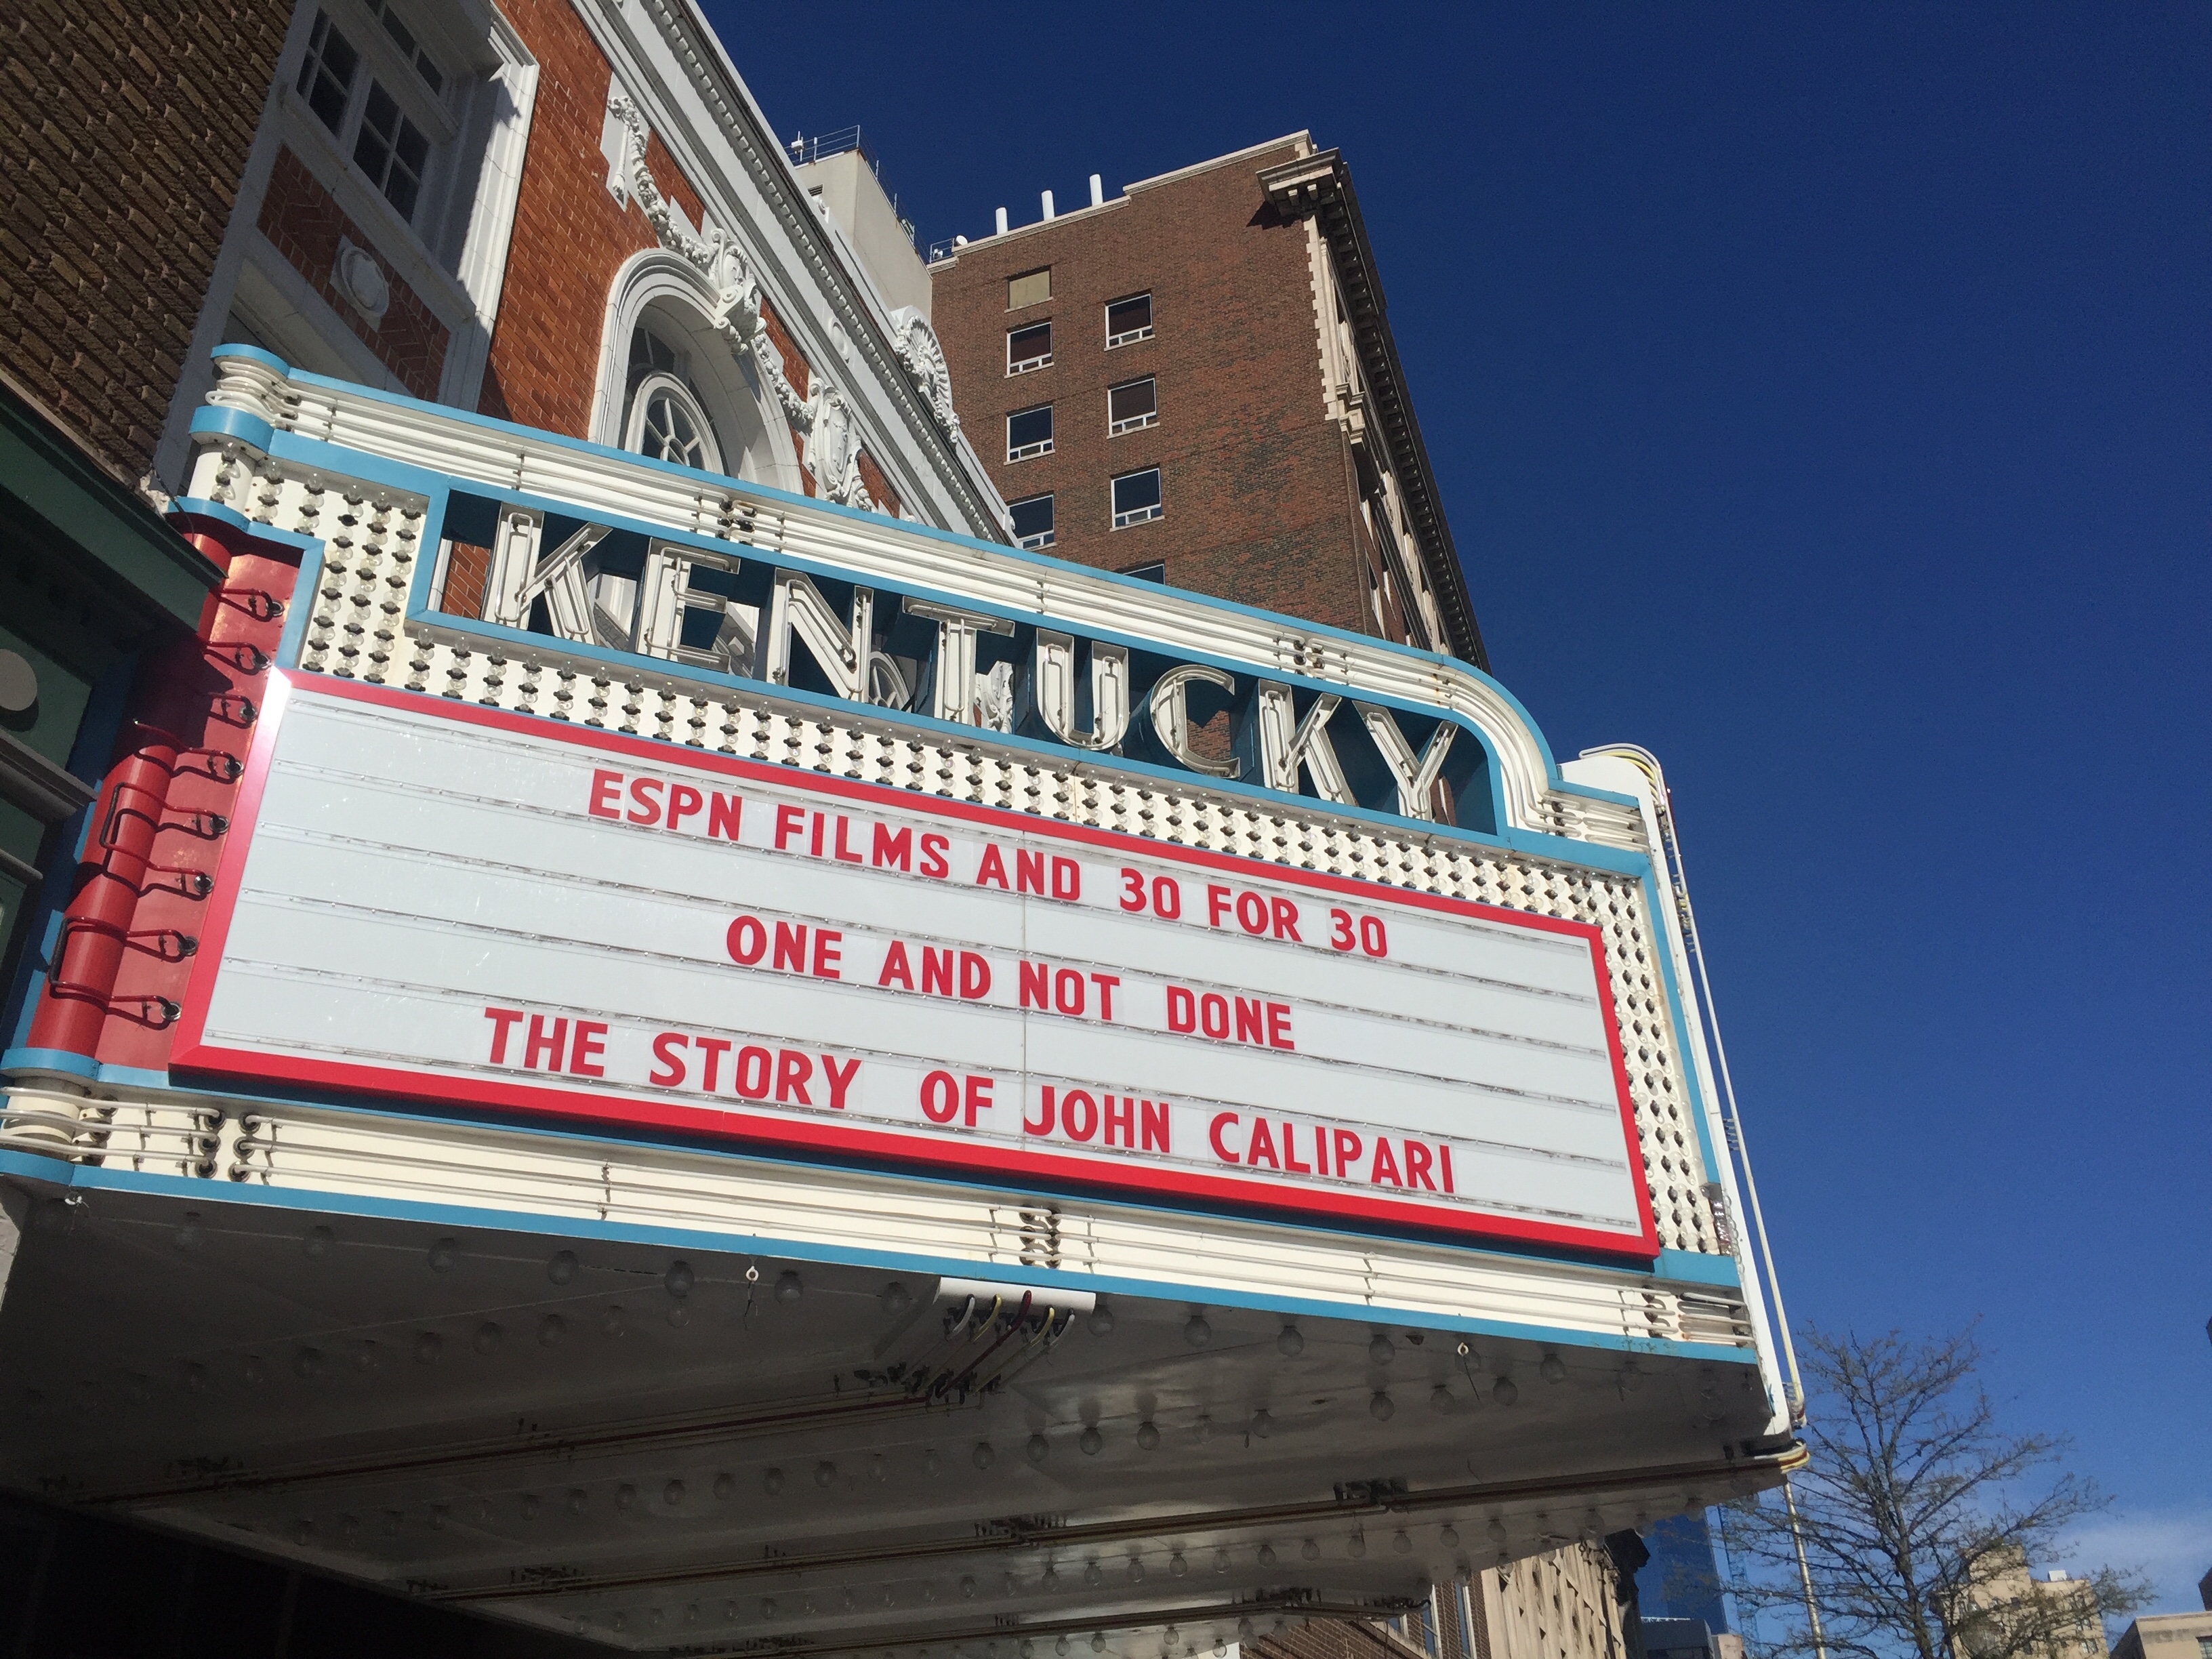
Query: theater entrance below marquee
{"x": 643, "y": 1438}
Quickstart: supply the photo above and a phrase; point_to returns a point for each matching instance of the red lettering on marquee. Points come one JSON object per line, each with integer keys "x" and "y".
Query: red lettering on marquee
{"x": 502, "y": 1020}
{"x": 789, "y": 821}
{"x": 713, "y": 1049}
{"x": 791, "y": 1071}
{"x": 684, "y": 802}
{"x": 607, "y": 791}
{"x": 1028, "y": 873}
{"x": 644, "y": 809}
{"x": 1290, "y": 1152}
{"x": 888, "y": 849}
{"x": 723, "y": 813}
{"x": 844, "y": 854}
{"x": 934, "y": 861}
{"x": 895, "y": 971}
{"x": 1214, "y": 1134}
{"x": 551, "y": 1045}
{"x": 670, "y": 1073}
{"x": 584, "y": 1058}
{"x": 1263, "y": 1145}
{"x": 1385, "y": 1167}
{"x": 993, "y": 871}
{"x": 1417, "y": 1165}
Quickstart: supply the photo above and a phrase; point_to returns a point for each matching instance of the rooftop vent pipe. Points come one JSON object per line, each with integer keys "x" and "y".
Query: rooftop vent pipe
{"x": 1097, "y": 191}
{"x": 1002, "y": 221}
{"x": 1046, "y": 195}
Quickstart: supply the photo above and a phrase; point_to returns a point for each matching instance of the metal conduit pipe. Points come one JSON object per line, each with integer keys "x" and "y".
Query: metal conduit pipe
{"x": 1730, "y": 1471}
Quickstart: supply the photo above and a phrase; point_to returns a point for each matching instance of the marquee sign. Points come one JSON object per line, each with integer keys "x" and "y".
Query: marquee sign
{"x": 438, "y": 901}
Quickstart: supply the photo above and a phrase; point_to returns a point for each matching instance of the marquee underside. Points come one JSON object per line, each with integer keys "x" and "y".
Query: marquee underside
{"x": 793, "y": 1454}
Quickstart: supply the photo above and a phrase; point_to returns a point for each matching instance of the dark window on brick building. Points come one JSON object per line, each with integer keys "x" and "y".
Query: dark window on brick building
{"x": 1157, "y": 571}
{"x": 1028, "y": 348}
{"x": 392, "y": 150}
{"x": 326, "y": 76}
{"x": 1028, "y": 288}
{"x": 1029, "y": 432}
{"x": 404, "y": 38}
{"x": 1136, "y": 497}
{"x": 1130, "y": 321}
{"x": 1131, "y": 405}
{"x": 1032, "y": 521}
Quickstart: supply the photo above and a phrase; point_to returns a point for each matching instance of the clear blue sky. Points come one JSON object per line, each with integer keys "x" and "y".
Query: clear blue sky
{"x": 1820, "y": 396}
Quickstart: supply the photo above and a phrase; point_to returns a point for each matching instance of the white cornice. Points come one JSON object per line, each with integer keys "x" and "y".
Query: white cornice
{"x": 669, "y": 60}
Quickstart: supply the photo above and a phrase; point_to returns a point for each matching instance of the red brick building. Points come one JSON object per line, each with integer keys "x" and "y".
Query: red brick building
{"x": 1196, "y": 380}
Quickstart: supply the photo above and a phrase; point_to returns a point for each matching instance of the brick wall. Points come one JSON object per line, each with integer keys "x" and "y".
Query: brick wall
{"x": 570, "y": 238}
{"x": 124, "y": 129}
{"x": 1260, "y": 503}
{"x": 879, "y": 488}
{"x": 304, "y": 220}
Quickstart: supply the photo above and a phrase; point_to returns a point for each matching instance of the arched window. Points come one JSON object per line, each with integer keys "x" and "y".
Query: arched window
{"x": 666, "y": 421}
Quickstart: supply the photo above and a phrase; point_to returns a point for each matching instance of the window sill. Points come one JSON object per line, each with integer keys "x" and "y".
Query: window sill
{"x": 1134, "y": 423}
{"x": 1115, "y": 341}
{"x": 1029, "y": 451}
{"x": 1141, "y": 515}
{"x": 1032, "y": 543}
{"x": 1028, "y": 366}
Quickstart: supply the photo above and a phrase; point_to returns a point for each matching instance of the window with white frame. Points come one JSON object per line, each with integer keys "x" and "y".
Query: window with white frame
{"x": 1128, "y": 320}
{"x": 1132, "y": 405}
{"x": 378, "y": 93}
{"x": 667, "y": 420}
{"x": 1029, "y": 347}
{"x": 1032, "y": 521}
{"x": 1136, "y": 497}
{"x": 1028, "y": 433}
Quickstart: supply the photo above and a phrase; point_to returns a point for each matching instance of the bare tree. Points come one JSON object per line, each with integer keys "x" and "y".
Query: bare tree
{"x": 1916, "y": 1522}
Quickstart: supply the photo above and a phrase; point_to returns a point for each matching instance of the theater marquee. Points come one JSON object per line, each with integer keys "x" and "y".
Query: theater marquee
{"x": 458, "y": 904}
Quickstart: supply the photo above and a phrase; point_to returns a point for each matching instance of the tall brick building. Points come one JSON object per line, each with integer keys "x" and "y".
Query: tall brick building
{"x": 1196, "y": 380}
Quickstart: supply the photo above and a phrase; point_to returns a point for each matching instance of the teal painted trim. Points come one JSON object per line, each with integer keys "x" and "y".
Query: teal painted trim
{"x": 51, "y": 1059}
{"x": 83, "y": 1177}
{"x": 236, "y": 424}
{"x": 46, "y": 475}
{"x": 1687, "y": 1267}
{"x": 198, "y": 507}
{"x": 876, "y": 521}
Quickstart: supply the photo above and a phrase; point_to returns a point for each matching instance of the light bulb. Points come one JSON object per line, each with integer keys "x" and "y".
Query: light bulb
{"x": 578, "y": 1498}
{"x": 896, "y": 1298}
{"x": 318, "y": 1243}
{"x": 1176, "y": 1566}
{"x": 767, "y": 1606}
{"x": 1379, "y": 1351}
{"x": 1197, "y": 1332}
{"x": 1503, "y": 1392}
{"x": 772, "y": 1482}
{"x": 1061, "y": 1647}
{"x": 1136, "y": 1570}
{"x": 1380, "y": 1408}
{"x": 983, "y": 1456}
{"x": 1399, "y": 1541}
{"x": 1267, "y": 1555}
{"x": 561, "y": 1269}
{"x": 1038, "y": 1449}
{"x": 190, "y": 1234}
{"x": 1090, "y": 1441}
{"x": 725, "y": 1487}
{"x": 1102, "y": 1320}
{"x": 1448, "y": 1537}
{"x": 551, "y": 1330}
{"x": 679, "y": 1315}
{"x": 1221, "y": 1560}
{"x": 1553, "y": 1369}
{"x": 1441, "y": 1400}
{"x": 625, "y": 1496}
{"x": 1357, "y": 1545}
{"x": 673, "y": 1493}
{"x": 825, "y": 1473}
{"x": 1148, "y": 1436}
{"x": 1310, "y": 1550}
{"x": 1243, "y": 1630}
{"x": 428, "y": 1347}
{"x": 443, "y": 1254}
{"x": 1290, "y": 1344}
{"x": 486, "y": 1340}
{"x": 1497, "y": 1530}
{"x": 1097, "y": 1642}
{"x": 967, "y": 1589}
{"x": 787, "y": 1287}
{"x": 1094, "y": 1575}
{"x": 1262, "y": 1424}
